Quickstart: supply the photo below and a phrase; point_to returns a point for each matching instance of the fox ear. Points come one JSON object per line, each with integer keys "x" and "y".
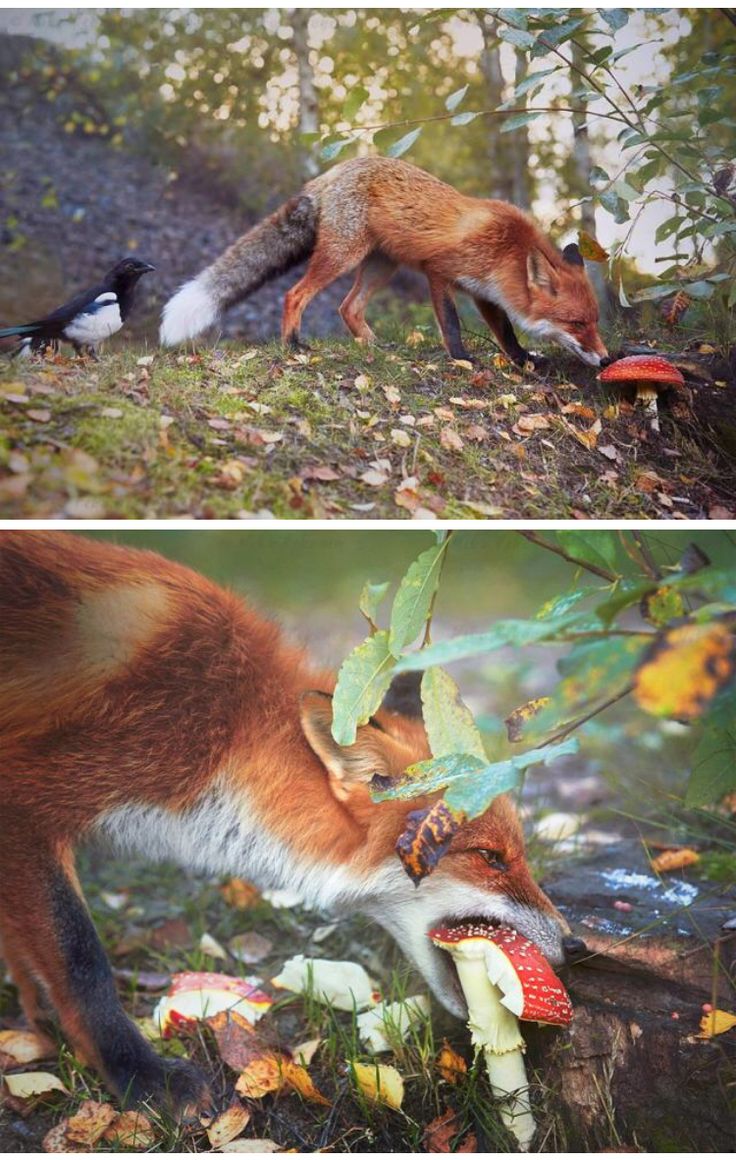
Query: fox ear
{"x": 347, "y": 765}
{"x": 572, "y": 255}
{"x": 540, "y": 273}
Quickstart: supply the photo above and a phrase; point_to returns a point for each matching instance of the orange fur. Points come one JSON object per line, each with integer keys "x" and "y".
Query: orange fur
{"x": 130, "y": 682}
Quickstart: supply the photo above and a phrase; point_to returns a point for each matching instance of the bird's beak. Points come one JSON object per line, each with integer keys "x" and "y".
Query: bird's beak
{"x": 146, "y": 267}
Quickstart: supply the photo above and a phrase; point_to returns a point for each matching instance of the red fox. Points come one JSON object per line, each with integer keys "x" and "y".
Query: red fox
{"x": 377, "y": 214}
{"x": 141, "y": 703}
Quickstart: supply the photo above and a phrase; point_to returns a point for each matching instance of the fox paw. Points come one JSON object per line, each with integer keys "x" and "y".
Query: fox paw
{"x": 177, "y": 1086}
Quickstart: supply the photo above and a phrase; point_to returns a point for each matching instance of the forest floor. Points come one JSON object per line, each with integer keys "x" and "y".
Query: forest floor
{"x": 239, "y": 432}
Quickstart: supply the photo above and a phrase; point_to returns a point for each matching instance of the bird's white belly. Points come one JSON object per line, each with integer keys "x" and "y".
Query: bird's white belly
{"x": 96, "y": 325}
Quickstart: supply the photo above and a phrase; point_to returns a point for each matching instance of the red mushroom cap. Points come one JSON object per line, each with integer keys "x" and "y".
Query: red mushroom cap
{"x": 545, "y": 1000}
{"x": 641, "y": 368}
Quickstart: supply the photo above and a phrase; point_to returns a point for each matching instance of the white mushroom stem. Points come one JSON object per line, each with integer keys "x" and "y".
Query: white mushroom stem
{"x": 647, "y": 394}
{"x": 496, "y": 1030}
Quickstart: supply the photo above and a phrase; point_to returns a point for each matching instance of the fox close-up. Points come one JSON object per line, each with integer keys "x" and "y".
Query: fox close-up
{"x": 141, "y": 703}
{"x": 378, "y": 213}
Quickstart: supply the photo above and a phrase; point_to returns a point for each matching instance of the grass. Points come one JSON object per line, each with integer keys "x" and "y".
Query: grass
{"x": 339, "y": 432}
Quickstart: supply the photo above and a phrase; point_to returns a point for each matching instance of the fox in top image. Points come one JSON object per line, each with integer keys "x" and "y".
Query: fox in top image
{"x": 378, "y": 213}
{"x": 143, "y": 705}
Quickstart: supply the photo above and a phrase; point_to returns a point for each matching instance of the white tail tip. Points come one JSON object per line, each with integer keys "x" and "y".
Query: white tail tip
{"x": 192, "y": 310}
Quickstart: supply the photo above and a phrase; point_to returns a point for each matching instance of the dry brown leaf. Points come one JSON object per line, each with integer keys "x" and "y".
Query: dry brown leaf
{"x": 39, "y": 416}
{"x": 26, "y": 1046}
{"x": 219, "y": 424}
{"x": 87, "y": 1124}
{"x": 450, "y": 440}
{"x": 249, "y": 947}
{"x": 228, "y": 1125}
{"x": 131, "y": 1130}
{"x": 296, "y": 1076}
{"x": 374, "y": 478}
{"x": 674, "y": 859}
{"x": 251, "y": 1146}
{"x": 322, "y": 473}
{"x": 439, "y": 1135}
{"x": 240, "y": 894}
{"x": 527, "y": 424}
{"x": 451, "y": 1066}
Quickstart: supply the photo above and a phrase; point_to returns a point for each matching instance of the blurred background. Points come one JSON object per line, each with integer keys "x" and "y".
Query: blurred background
{"x": 168, "y": 131}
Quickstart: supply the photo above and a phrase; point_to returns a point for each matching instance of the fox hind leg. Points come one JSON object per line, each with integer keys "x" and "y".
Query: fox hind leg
{"x": 375, "y": 272}
{"x": 330, "y": 259}
{"x": 48, "y": 936}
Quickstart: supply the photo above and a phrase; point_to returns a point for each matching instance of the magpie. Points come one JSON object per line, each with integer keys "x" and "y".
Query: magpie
{"x": 88, "y": 318}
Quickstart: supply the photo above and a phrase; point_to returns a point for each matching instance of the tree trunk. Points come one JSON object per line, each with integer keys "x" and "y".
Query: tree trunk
{"x": 631, "y": 1066}
{"x": 519, "y": 144}
{"x": 308, "y": 103}
{"x": 583, "y": 164}
{"x": 501, "y": 177}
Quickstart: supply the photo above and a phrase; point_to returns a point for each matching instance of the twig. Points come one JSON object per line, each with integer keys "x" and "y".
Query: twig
{"x": 534, "y": 538}
{"x": 647, "y": 559}
{"x": 567, "y": 729}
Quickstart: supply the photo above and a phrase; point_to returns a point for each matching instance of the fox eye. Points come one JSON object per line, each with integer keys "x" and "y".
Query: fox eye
{"x": 492, "y": 858}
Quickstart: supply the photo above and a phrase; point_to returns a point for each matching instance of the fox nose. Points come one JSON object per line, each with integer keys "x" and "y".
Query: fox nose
{"x": 606, "y": 361}
{"x": 574, "y": 948}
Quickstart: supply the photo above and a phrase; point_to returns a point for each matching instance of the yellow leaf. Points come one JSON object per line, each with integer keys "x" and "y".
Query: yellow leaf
{"x": 87, "y": 1125}
{"x": 715, "y": 1023}
{"x": 685, "y": 669}
{"x": 33, "y": 1083}
{"x": 260, "y": 1077}
{"x": 297, "y": 1077}
{"x": 674, "y": 859}
{"x": 379, "y": 1082}
{"x": 228, "y": 1125}
{"x": 590, "y": 248}
{"x": 239, "y": 893}
{"x": 131, "y": 1130}
{"x": 25, "y": 1046}
{"x": 451, "y": 1066}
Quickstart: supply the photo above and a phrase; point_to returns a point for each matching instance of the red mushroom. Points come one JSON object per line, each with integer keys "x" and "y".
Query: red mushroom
{"x": 649, "y": 374}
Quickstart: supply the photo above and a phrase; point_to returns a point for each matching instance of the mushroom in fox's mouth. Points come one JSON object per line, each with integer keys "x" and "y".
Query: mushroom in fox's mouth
{"x": 504, "y": 977}
{"x": 649, "y": 374}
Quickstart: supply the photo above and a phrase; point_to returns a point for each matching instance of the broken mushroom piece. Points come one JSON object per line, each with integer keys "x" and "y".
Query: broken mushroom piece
{"x": 649, "y": 374}
{"x": 504, "y": 978}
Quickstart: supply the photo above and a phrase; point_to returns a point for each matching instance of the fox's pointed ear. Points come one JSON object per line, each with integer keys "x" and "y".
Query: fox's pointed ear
{"x": 347, "y": 765}
{"x": 540, "y": 273}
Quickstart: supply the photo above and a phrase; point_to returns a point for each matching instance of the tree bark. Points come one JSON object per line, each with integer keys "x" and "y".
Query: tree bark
{"x": 582, "y": 166}
{"x": 497, "y": 143}
{"x": 308, "y": 102}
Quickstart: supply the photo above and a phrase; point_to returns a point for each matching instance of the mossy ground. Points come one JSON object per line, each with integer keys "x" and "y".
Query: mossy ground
{"x": 337, "y": 432}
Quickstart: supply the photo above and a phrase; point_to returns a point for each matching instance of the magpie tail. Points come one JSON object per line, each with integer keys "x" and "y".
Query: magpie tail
{"x": 270, "y": 248}
{"x": 19, "y": 331}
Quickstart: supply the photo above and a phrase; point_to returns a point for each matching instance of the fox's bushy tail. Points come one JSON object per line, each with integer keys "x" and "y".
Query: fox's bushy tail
{"x": 273, "y": 246}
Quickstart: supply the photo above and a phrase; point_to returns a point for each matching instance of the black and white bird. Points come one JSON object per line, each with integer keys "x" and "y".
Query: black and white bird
{"x": 88, "y": 318}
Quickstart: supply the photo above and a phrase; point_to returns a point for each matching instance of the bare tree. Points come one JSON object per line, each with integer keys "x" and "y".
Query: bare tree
{"x": 308, "y": 103}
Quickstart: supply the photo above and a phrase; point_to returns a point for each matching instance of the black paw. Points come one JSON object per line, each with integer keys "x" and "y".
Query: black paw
{"x": 175, "y": 1086}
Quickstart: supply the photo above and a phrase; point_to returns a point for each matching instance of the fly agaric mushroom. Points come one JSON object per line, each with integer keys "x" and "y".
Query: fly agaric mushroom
{"x": 504, "y": 978}
{"x": 649, "y": 373}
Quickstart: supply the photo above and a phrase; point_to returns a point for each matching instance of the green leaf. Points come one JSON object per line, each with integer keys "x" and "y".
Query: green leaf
{"x": 404, "y": 144}
{"x": 518, "y": 120}
{"x": 448, "y": 721}
{"x": 472, "y": 794}
{"x": 516, "y": 36}
{"x": 531, "y": 80}
{"x": 598, "y": 548}
{"x": 714, "y": 767}
{"x": 504, "y": 632}
{"x": 615, "y": 205}
{"x": 364, "y": 678}
{"x": 356, "y": 98}
{"x": 455, "y": 98}
{"x": 615, "y": 18}
{"x": 370, "y": 600}
{"x": 463, "y": 118}
{"x": 425, "y": 777}
{"x": 414, "y": 598}
{"x": 333, "y": 149}
{"x": 559, "y": 605}
{"x": 699, "y": 289}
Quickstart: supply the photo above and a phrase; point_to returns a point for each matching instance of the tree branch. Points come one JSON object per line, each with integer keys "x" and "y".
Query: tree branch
{"x": 534, "y": 538}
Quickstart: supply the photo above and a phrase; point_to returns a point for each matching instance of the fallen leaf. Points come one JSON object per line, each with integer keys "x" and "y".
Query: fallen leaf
{"x": 379, "y": 1082}
{"x": 674, "y": 859}
{"x": 88, "y": 1124}
{"x": 450, "y": 440}
{"x": 39, "y": 416}
{"x": 304, "y": 1052}
{"x": 26, "y": 1046}
{"x": 240, "y": 894}
{"x": 439, "y": 1135}
{"x": 249, "y": 947}
{"x": 577, "y": 409}
{"x": 211, "y": 947}
{"x": 33, "y": 1083}
{"x": 228, "y": 1125}
{"x": 323, "y": 474}
{"x": 296, "y": 1076}
{"x": 251, "y": 1146}
{"x": 400, "y": 437}
{"x": 476, "y": 433}
{"x": 219, "y": 424}
{"x": 393, "y": 395}
{"x": 261, "y": 1076}
{"x": 527, "y": 424}
{"x": 716, "y": 1023}
{"x": 451, "y": 1066}
{"x": 374, "y": 478}
{"x": 131, "y": 1130}
{"x": 361, "y": 382}
{"x": 610, "y": 452}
